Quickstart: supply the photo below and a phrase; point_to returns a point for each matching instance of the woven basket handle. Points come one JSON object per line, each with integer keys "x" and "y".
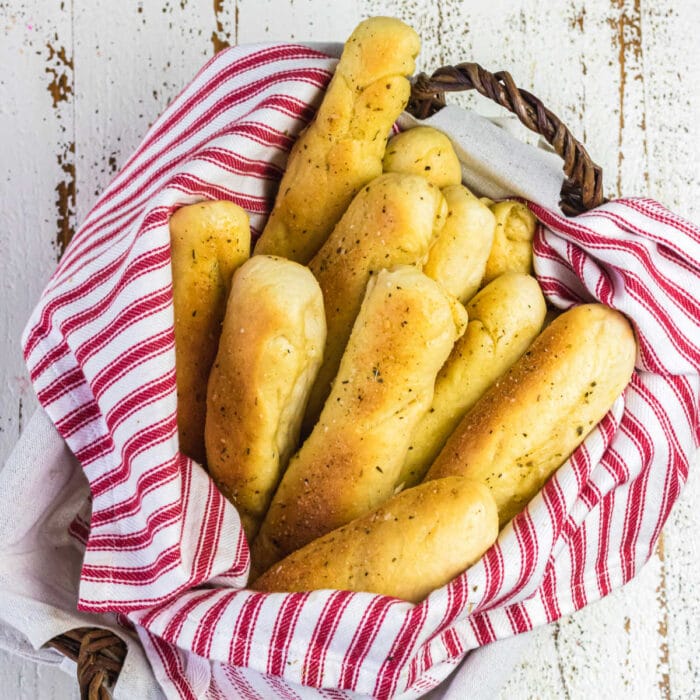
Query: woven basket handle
{"x": 583, "y": 188}
{"x": 99, "y": 655}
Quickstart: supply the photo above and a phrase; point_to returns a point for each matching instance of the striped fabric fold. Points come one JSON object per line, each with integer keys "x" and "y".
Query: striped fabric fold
{"x": 162, "y": 546}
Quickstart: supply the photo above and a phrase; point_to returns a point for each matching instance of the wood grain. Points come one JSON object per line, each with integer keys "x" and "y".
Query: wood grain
{"x": 36, "y": 137}
{"x": 37, "y": 190}
{"x": 85, "y": 79}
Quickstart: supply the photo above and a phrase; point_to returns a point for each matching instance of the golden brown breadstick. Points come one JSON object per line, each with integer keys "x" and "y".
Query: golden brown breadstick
{"x": 342, "y": 149}
{"x": 512, "y": 242}
{"x": 504, "y": 318}
{"x": 208, "y": 241}
{"x": 269, "y": 353}
{"x": 416, "y": 542}
{"x": 459, "y": 252}
{"x": 349, "y": 464}
{"x": 458, "y": 256}
{"x": 423, "y": 151}
{"x": 535, "y": 416}
{"x": 392, "y": 221}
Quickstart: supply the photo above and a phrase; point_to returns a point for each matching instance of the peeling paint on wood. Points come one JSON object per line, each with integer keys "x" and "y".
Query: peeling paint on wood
{"x": 662, "y": 599}
{"x": 221, "y": 37}
{"x": 65, "y": 198}
{"x": 59, "y": 68}
{"x": 628, "y": 37}
{"x": 556, "y": 629}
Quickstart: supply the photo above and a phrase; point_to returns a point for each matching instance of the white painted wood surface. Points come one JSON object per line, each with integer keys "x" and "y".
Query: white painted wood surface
{"x": 82, "y": 80}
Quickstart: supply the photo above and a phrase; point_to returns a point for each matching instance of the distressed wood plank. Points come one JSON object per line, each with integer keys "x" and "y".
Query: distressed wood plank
{"x": 269, "y": 20}
{"x": 672, "y": 80}
{"x": 37, "y": 189}
{"x": 131, "y": 62}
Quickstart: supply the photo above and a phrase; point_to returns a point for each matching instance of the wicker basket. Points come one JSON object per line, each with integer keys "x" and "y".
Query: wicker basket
{"x": 99, "y": 653}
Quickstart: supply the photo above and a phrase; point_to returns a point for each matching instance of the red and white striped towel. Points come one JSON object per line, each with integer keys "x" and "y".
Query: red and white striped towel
{"x": 166, "y": 550}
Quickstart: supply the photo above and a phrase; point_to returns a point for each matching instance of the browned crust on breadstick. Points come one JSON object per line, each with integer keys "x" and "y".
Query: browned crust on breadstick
{"x": 534, "y": 417}
{"x": 342, "y": 149}
{"x": 269, "y": 353}
{"x": 349, "y": 464}
{"x": 416, "y": 542}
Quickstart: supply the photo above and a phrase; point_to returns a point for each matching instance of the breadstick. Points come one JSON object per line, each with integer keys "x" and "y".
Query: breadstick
{"x": 208, "y": 241}
{"x": 423, "y": 151}
{"x": 349, "y": 464}
{"x": 416, "y": 542}
{"x": 535, "y": 416}
{"x": 392, "y": 221}
{"x": 457, "y": 258}
{"x": 342, "y": 149}
{"x": 459, "y": 252}
{"x": 512, "y": 241}
{"x": 504, "y": 318}
{"x": 269, "y": 353}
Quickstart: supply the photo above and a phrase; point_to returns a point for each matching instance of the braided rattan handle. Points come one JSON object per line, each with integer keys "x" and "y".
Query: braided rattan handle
{"x": 99, "y": 654}
{"x": 583, "y": 187}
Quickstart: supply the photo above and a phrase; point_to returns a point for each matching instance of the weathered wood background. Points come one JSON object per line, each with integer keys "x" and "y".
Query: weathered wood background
{"x": 81, "y": 81}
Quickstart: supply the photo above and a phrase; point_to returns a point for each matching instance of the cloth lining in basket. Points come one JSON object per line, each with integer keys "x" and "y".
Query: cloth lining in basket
{"x": 166, "y": 549}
